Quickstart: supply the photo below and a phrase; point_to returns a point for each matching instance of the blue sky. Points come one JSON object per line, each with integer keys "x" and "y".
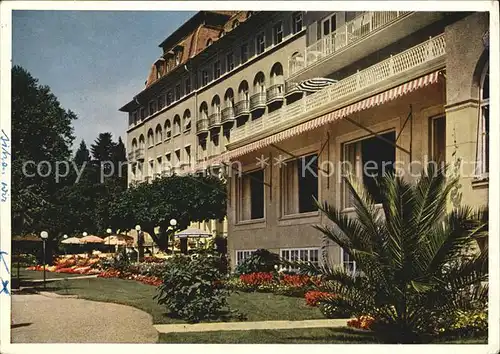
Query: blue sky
{"x": 93, "y": 61}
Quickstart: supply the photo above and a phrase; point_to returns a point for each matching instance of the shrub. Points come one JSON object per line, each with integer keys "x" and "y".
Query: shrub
{"x": 331, "y": 311}
{"x": 464, "y": 323}
{"x": 260, "y": 261}
{"x": 192, "y": 288}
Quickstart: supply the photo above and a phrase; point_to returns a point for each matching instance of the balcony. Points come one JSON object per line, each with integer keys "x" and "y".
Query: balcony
{"x": 275, "y": 93}
{"x": 415, "y": 61}
{"x": 148, "y": 179}
{"x": 139, "y": 154}
{"x": 202, "y": 126}
{"x": 241, "y": 108}
{"x": 258, "y": 101}
{"x": 228, "y": 115}
{"x": 131, "y": 156}
{"x": 292, "y": 88}
{"x": 366, "y": 34}
{"x": 214, "y": 120}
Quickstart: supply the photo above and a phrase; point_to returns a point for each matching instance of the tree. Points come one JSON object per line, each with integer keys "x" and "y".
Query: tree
{"x": 41, "y": 131}
{"x": 82, "y": 155}
{"x": 414, "y": 260}
{"x": 185, "y": 198}
{"x": 103, "y": 148}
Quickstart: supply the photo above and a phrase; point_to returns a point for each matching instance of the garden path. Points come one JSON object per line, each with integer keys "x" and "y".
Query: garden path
{"x": 44, "y": 318}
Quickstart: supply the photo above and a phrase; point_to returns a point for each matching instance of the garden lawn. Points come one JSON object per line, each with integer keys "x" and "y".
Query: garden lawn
{"x": 291, "y": 336}
{"x": 256, "y": 306}
{"x": 38, "y": 275}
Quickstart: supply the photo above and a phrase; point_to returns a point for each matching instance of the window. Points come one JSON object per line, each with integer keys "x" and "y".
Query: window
{"x": 151, "y": 139}
{"x": 236, "y": 23}
{"x": 204, "y": 77}
{"x": 260, "y": 43}
{"x": 229, "y": 61}
{"x": 158, "y": 134}
{"x": 329, "y": 25}
{"x": 187, "y": 120}
{"x": 300, "y": 255}
{"x": 178, "y": 56}
{"x": 438, "y": 139}
{"x": 161, "y": 102}
{"x": 242, "y": 255}
{"x": 299, "y": 181}
{"x": 347, "y": 262}
{"x": 158, "y": 165}
{"x": 177, "y": 154}
{"x": 483, "y": 140}
{"x": 177, "y": 92}
{"x": 187, "y": 85}
{"x": 152, "y": 107}
{"x": 251, "y": 196}
{"x": 135, "y": 117}
{"x": 187, "y": 150}
{"x": 209, "y": 42}
{"x": 143, "y": 113}
{"x": 177, "y": 125}
{"x": 368, "y": 159}
{"x": 244, "y": 53}
{"x": 216, "y": 69}
{"x": 169, "y": 98}
{"x": 277, "y": 33}
{"x": 168, "y": 160}
{"x": 168, "y": 130}
{"x": 297, "y": 22}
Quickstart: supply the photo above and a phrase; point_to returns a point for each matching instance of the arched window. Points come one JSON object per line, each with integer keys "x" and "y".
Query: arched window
{"x": 277, "y": 74}
{"x": 186, "y": 118}
{"x": 295, "y": 63}
{"x": 259, "y": 83}
{"x": 168, "y": 129}
{"x": 483, "y": 140}
{"x": 177, "y": 125}
{"x": 229, "y": 98}
{"x": 203, "y": 111}
{"x": 134, "y": 144}
{"x": 151, "y": 139}
{"x": 243, "y": 91}
{"x": 142, "y": 142}
{"x": 216, "y": 104}
{"x": 159, "y": 134}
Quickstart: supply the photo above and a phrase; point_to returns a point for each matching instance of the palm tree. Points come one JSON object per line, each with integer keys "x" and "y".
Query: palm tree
{"x": 414, "y": 257}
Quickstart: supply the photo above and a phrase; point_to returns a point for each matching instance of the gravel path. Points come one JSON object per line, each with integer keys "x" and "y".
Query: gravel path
{"x": 55, "y": 319}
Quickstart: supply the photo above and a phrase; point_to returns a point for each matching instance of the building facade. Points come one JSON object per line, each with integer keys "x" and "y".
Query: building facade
{"x": 284, "y": 103}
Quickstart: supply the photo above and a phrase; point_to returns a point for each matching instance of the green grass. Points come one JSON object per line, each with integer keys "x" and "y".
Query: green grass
{"x": 38, "y": 275}
{"x": 291, "y": 336}
{"x": 256, "y": 306}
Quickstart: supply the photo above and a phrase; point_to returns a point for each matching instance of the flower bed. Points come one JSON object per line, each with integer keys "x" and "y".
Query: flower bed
{"x": 113, "y": 273}
{"x": 362, "y": 322}
{"x": 72, "y": 265}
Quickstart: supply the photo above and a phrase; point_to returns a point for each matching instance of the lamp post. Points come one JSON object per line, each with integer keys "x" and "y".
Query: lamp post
{"x": 109, "y": 231}
{"x": 139, "y": 243}
{"x": 44, "y": 235}
{"x": 65, "y": 249}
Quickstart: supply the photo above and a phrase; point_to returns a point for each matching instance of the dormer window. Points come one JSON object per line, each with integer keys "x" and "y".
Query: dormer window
{"x": 236, "y": 23}
{"x": 209, "y": 42}
{"x": 178, "y": 56}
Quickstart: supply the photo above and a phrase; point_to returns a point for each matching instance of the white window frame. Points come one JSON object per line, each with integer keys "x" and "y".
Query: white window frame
{"x": 309, "y": 250}
{"x": 257, "y": 43}
{"x": 433, "y": 136}
{"x": 344, "y": 262}
{"x": 295, "y": 17}
{"x": 239, "y": 199}
{"x": 482, "y": 168}
{"x": 245, "y": 254}
{"x": 277, "y": 31}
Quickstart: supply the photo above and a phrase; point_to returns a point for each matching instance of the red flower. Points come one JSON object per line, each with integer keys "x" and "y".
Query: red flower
{"x": 313, "y": 297}
{"x": 256, "y": 278}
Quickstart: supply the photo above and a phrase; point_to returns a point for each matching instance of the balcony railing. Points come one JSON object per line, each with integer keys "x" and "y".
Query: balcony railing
{"x": 275, "y": 93}
{"x": 241, "y": 108}
{"x": 214, "y": 120}
{"x": 227, "y": 115}
{"x": 258, "y": 101}
{"x": 139, "y": 153}
{"x": 202, "y": 125}
{"x": 351, "y": 32}
{"x": 291, "y": 88}
{"x": 333, "y": 95}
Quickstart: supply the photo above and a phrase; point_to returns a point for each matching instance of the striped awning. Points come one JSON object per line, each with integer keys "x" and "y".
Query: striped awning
{"x": 316, "y": 84}
{"x": 367, "y": 103}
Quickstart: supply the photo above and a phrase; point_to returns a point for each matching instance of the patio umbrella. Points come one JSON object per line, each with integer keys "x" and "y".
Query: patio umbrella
{"x": 118, "y": 240}
{"x": 72, "y": 241}
{"x": 91, "y": 239}
{"x": 192, "y": 232}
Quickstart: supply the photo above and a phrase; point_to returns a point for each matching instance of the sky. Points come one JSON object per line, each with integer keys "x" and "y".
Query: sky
{"x": 93, "y": 61}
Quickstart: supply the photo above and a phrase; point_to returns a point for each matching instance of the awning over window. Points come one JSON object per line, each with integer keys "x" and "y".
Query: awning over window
{"x": 372, "y": 101}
